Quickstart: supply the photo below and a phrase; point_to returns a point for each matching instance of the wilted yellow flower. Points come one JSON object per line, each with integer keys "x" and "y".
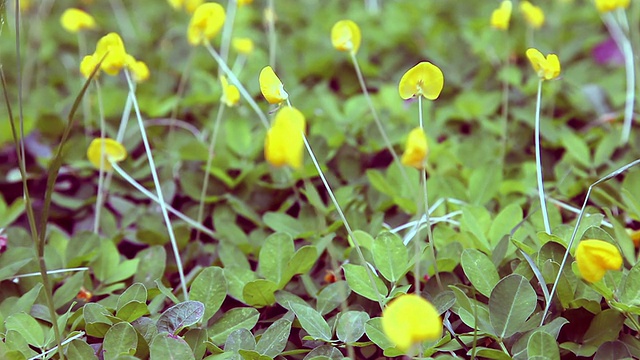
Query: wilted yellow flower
{"x": 532, "y": 14}
{"x": 139, "y": 70}
{"x": 410, "y": 319}
{"x": 230, "y": 93}
{"x": 416, "y": 150}
{"x": 345, "y": 36}
{"x": 284, "y": 144}
{"x": 423, "y": 79}
{"x": 547, "y": 68}
{"x": 206, "y": 22}
{"x": 271, "y": 86}
{"x": 609, "y": 5}
{"x": 242, "y": 45}
{"x": 113, "y": 152}
{"x": 117, "y": 56}
{"x": 595, "y": 257}
{"x": 88, "y": 63}
{"x": 500, "y": 17}
{"x": 74, "y": 20}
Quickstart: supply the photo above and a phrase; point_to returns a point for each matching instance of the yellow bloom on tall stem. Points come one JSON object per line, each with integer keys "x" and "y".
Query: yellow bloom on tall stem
{"x": 243, "y": 46}
{"x": 424, "y": 79}
{"x": 230, "y": 93}
{"x": 206, "y": 22}
{"x": 113, "y": 152}
{"x": 112, "y": 46}
{"x": 284, "y": 144}
{"x": 547, "y": 68}
{"x": 410, "y": 319}
{"x": 74, "y": 20}
{"x": 271, "y": 86}
{"x": 500, "y": 17}
{"x": 345, "y": 36}
{"x": 595, "y": 257}
{"x": 416, "y": 150}
{"x": 604, "y": 6}
{"x": 88, "y": 63}
{"x": 532, "y": 14}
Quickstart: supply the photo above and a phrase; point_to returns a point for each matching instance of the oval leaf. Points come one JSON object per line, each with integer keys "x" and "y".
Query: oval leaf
{"x": 180, "y": 316}
{"x": 390, "y": 256}
{"x": 480, "y": 270}
{"x": 511, "y": 303}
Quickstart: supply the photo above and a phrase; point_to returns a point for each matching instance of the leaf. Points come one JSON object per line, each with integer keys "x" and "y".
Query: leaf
{"x": 604, "y": 327}
{"x": 350, "y": 326}
{"x": 630, "y": 294}
{"x": 210, "y": 288}
{"x": 476, "y": 220}
{"x": 97, "y": 319}
{"x": 543, "y": 346}
{"x": 613, "y": 350}
{"x": 259, "y": 293}
{"x": 121, "y": 339}
{"x": 275, "y": 253}
{"x": 506, "y": 220}
{"x": 151, "y": 266}
{"x": 480, "y": 271}
{"x": 132, "y": 310}
{"x": 25, "y": 325}
{"x": 274, "y": 339}
{"x": 137, "y": 292}
{"x": 78, "y": 349}
{"x": 358, "y": 280}
{"x": 237, "y": 318}
{"x": 390, "y": 256}
{"x": 180, "y": 316}
{"x": 324, "y": 352}
{"x": 197, "y": 338}
{"x": 332, "y": 296}
{"x": 373, "y": 329}
{"x": 312, "y": 322}
{"x": 167, "y": 346}
{"x": 301, "y": 262}
{"x": 237, "y": 278}
{"x": 511, "y": 303}
{"x": 241, "y": 339}
{"x": 484, "y": 183}
{"x": 283, "y": 223}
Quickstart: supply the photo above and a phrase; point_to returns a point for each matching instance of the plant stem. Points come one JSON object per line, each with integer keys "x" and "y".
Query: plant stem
{"x": 543, "y": 202}
{"x": 271, "y": 31}
{"x": 101, "y": 172}
{"x": 156, "y": 181}
{"x": 232, "y": 7}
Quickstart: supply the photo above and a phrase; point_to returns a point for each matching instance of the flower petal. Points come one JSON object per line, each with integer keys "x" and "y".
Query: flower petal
{"x": 416, "y": 150}
{"x": 423, "y": 79}
{"x": 411, "y": 319}
{"x": 595, "y": 257}
{"x": 271, "y": 86}
{"x": 345, "y": 36}
{"x": 113, "y": 152}
{"x": 206, "y": 22}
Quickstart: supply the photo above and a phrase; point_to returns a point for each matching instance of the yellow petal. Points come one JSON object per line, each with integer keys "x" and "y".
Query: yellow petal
{"x": 271, "y": 86}
{"x": 139, "y": 71}
{"x": 88, "y": 63}
{"x": 501, "y": 16}
{"x": 532, "y": 14}
{"x": 206, "y": 22}
{"x": 244, "y": 2}
{"x": 423, "y": 79}
{"x": 410, "y": 319}
{"x": 191, "y": 5}
{"x": 113, "y": 152}
{"x": 74, "y": 20}
{"x": 416, "y": 150}
{"x": 547, "y": 68}
{"x": 242, "y": 45}
{"x": 230, "y": 93}
{"x": 176, "y": 4}
{"x": 345, "y": 36}
{"x": 610, "y": 5}
{"x": 595, "y": 257}
{"x": 284, "y": 144}
{"x": 116, "y": 56}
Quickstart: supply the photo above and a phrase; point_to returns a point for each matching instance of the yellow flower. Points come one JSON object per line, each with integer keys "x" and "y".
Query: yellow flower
{"x": 416, "y": 150}
{"x": 74, "y": 20}
{"x": 345, "y": 36}
{"x": 25, "y": 5}
{"x": 139, "y": 70}
{"x": 284, "y": 144}
{"x": 189, "y": 5}
{"x": 112, "y": 45}
{"x": 501, "y": 16}
{"x": 176, "y": 4}
{"x": 547, "y": 68}
{"x": 88, "y": 63}
{"x": 609, "y": 5}
{"x": 595, "y": 257}
{"x": 532, "y": 14}
{"x": 230, "y": 93}
{"x": 271, "y": 86}
{"x": 242, "y": 45}
{"x": 410, "y": 319}
{"x": 244, "y": 2}
{"x": 423, "y": 79}
{"x": 113, "y": 152}
{"x": 206, "y": 22}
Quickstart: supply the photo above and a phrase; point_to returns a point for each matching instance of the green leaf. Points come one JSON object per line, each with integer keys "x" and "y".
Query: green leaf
{"x": 106, "y": 264}
{"x": 259, "y": 293}
{"x": 197, "y": 338}
{"x": 25, "y": 325}
{"x": 511, "y": 303}
{"x": 301, "y": 262}
{"x": 68, "y": 290}
{"x": 241, "y": 339}
{"x": 332, "y": 296}
{"x": 350, "y": 326}
{"x": 167, "y": 346}
{"x": 210, "y": 288}
{"x": 312, "y": 322}
{"x": 9, "y": 214}
{"x": 484, "y": 183}
{"x": 121, "y": 339}
{"x": 151, "y": 266}
{"x": 373, "y": 329}
{"x": 476, "y": 220}
{"x": 237, "y": 278}
{"x": 543, "y": 346}
{"x": 480, "y": 271}
{"x": 630, "y": 294}
{"x": 324, "y": 352}
{"x": 390, "y": 256}
{"x": 613, "y": 350}
{"x": 604, "y": 327}
{"x": 97, "y": 319}
{"x": 135, "y": 292}
{"x": 234, "y": 319}
{"x": 358, "y": 280}
{"x": 283, "y": 223}
{"x": 506, "y": 220}
{"x": 274, "y": 339}
{"x": 78, "y": 349}
{"x": 275, "y": 253}
{"x": 132, "y": 310}
{"x": 180, "y": 316}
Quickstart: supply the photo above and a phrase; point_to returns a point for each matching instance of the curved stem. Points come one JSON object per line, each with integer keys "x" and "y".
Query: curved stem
{"x": 101, "y": 172}
{"x": 543, "y": 202}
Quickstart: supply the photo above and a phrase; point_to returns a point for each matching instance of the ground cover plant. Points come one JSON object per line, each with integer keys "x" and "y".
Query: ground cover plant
{"x": 319, "y": 179}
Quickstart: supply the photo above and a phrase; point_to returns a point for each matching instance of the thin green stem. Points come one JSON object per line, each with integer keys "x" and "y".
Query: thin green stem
{"x": 230, "y": 17}
{"x": 271, "y": 33}
{"x": 234, "y": 80}
{"x": 344, "y": 220}
{"x": 207, "y": 174}
{"x": 101, "y": 172}
{"x": 505, "y": 107}
{"x": 156, "y": 181}
{"x": 543, "y": 201}
{"x": 376, "y": 119}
